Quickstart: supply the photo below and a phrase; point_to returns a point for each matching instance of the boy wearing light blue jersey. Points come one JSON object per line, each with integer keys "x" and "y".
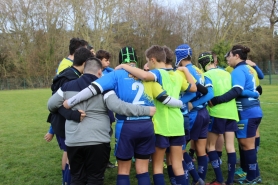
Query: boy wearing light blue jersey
{"x": 198, "y": 115}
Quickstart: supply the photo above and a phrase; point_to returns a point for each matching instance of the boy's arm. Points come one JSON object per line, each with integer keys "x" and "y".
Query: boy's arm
{"x": 187, "y": 97}
{"x": 189, "y": 79}
{"x": 83, "y": 95}
{"x": 55, "y": 101}
{"x": 139, "y": 73}
{"x": 251, "y": 94}
{"x": 204, "y": 98}
{"x": 258, "y": 70}
{"x": 169, "y": 101}
{"x": 123, "y": 108}
{"x": 69, "y": 114}
{"x": 228, "y": 96}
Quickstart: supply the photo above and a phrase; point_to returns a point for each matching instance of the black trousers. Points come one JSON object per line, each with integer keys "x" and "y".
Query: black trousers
{"x": 88, "y": 163}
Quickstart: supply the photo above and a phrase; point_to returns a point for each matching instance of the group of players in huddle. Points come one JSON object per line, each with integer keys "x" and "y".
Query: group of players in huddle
{"x": 166, "y": 108}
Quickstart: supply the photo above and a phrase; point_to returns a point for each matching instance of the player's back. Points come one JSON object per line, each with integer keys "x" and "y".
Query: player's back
{"x": 168, "y": 121}
{"x": 222, "y": 83}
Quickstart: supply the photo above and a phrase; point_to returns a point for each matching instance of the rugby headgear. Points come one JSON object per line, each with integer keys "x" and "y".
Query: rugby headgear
{"x": 127, "y": 55}
{"x": 182, "y": 52}
{"x": 204, "y": 59}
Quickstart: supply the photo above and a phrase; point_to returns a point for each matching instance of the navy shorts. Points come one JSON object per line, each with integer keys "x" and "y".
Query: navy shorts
{"x": 186, "y": 127}
{"x": 247, "y": 128}
{"x": 165, "y": 142}
{"x": 61, "y": 143}
{"x": 199, "y": 121}
{"x": 134, "y": 138}
{"x": 220, "y": 125}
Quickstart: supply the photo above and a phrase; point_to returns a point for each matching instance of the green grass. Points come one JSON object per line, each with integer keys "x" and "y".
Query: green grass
{"x": 269, "y": 80}
{"x": 26, "y": 158}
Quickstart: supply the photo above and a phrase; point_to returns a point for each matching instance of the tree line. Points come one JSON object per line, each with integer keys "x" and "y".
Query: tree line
{"x": 35, "y": 34}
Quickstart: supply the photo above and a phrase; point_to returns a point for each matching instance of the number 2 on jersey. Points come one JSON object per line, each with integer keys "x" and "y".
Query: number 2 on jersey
{"x": 140, "y": 92}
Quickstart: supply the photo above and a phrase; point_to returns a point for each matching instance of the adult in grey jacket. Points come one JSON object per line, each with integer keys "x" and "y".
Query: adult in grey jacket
{"x": 88, "y": 141}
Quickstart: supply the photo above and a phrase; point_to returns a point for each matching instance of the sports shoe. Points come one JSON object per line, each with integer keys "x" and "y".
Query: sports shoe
{"x": 116, "y": 163}
{"x": 259, "y": 179}
{"x": 214, "y": 182}
{"x": 247, "y": 182}
{"x": 239, "y": 179}
{"x": 110, "y": 165}
{"x": 239, "y": 172}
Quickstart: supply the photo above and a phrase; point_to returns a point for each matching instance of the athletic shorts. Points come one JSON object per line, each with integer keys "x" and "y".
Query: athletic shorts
{"x": 247, "y": 128}
{"x": 61, "y": 143}
{"x": 199, "y": 121}
{"x": 88, "y": 163}
{"x": 134, "y": 137}
{"x": 220, "y": 125}
{"x": 165, "y": 142}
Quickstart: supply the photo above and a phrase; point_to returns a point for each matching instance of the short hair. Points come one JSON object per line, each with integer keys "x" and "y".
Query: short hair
{"x": 84, "y": 43}
{"x": 75, "y": 43}
{"x": 81, "y": 55}
{"x": 241, "y": 51}
{"x": 101, "y": 54}
{"x": 92, "y": 65}
{"x": 169, "y": 55}
{"x": 156, "y": 52}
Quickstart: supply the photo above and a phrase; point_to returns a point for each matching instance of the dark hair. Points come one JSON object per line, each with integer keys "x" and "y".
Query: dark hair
{"x": 101, "y": 54}
{"x": 81, "y": 55}
{"x": 156, "y": 52}
{"x": 92, "y": 65}
{"x": 169, "y": 55}
{"x": 84, "y": 43}
{"x": 75, "y": 43}
{"x": 188, "y": 58}
{"x": 241, "y": 51}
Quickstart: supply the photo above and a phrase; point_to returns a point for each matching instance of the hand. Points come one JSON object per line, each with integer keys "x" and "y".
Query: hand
{"x": 250, "y": 63}
{"x": 119, "y": 67}
{"x": 83, "y": 114}
{"x": 210, "y": 104}
{"x": 180, "y": 68}
{"x": 152, "y": 111}
{"x": 190, "y": 106}
{"x": 48, "y": 137}
{"x": 65, "y": 104}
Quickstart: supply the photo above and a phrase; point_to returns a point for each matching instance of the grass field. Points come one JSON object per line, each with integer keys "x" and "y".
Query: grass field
{"x": 26, "y": 158}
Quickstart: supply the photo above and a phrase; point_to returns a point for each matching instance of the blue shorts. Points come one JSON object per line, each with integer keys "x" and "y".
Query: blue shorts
{"x": 134, "y": 137}
{"x": 220, "y": 125}
{"x": 186, "y": 127}
{"x": 247, "y": 128}
{"x": 199, "y": 121}
{"x": 165, "y": 142}
{"x": 61, "y": 143}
